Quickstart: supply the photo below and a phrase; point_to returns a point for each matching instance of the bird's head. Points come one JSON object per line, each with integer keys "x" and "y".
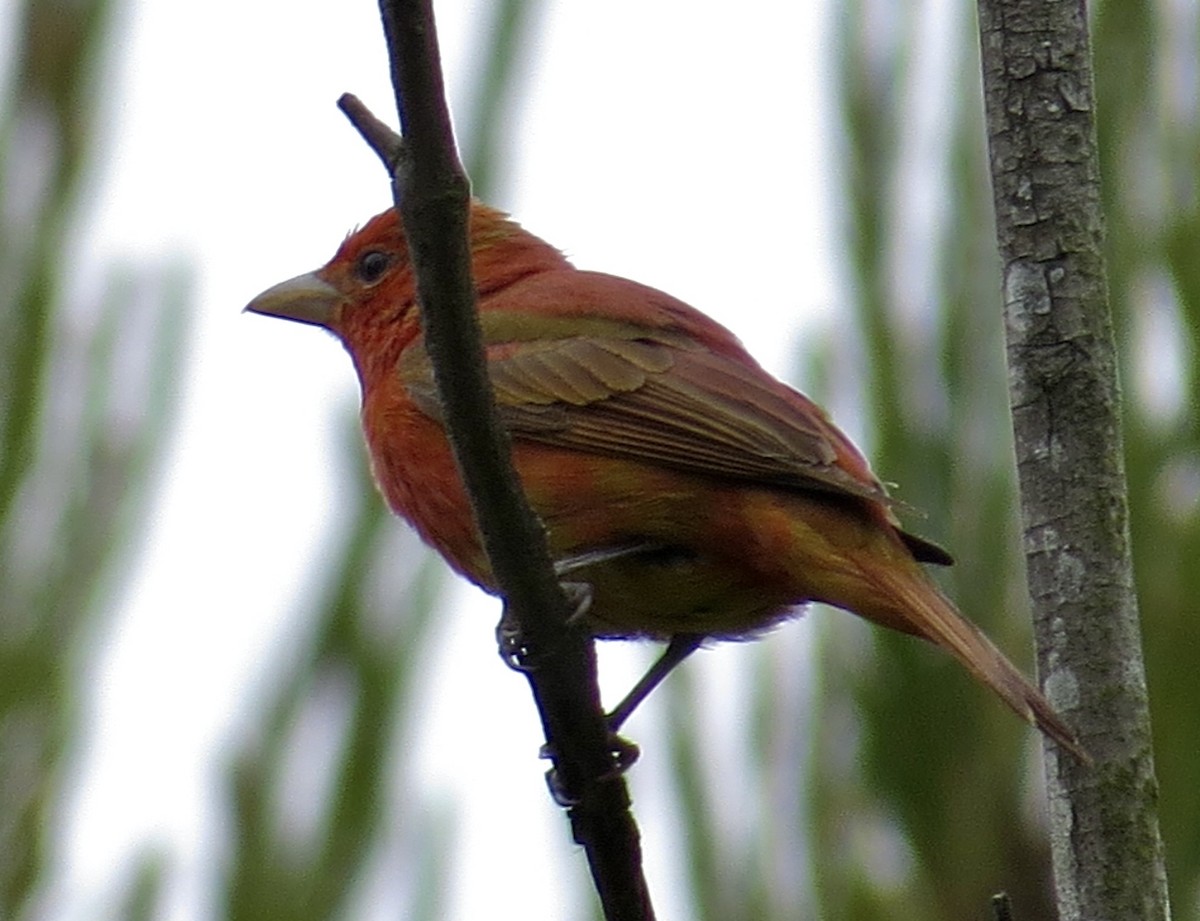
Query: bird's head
{"x": 366, "y": 294}
{"x": 368, "y": 284}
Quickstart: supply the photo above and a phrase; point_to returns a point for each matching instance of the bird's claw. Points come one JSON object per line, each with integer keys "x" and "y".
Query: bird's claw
{"x": 515, "y": 650}
{"x": 624, "y": 755}
{"x": 580, "y": 595}
{"x": 511, "y": 644}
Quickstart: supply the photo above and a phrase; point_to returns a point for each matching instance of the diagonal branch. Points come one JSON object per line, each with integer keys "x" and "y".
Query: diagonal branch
{"x": 432, "y": 195}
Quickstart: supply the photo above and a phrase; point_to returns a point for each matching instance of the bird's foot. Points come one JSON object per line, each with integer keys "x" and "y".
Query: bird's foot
{"x": 516, "y": 650}
{"x": 622, "y": 752}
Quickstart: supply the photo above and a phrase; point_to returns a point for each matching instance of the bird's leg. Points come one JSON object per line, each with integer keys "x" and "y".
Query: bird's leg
{"x": 517, "y": 653}
{"x": 679, "y": 648}
{"x": 625, "y": 753}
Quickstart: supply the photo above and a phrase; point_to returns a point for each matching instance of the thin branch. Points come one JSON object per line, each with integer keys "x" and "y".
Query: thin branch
{"x": 378, "y": 134}
{"x": 1039, "y": 98}
{"x": 432, "y": 195}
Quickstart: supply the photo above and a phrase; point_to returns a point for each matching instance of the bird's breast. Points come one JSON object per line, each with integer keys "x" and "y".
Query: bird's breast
{"x": 414, "y": 468}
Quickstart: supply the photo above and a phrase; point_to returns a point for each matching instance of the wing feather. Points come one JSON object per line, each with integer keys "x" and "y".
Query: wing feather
{"x": 614, "y": 395}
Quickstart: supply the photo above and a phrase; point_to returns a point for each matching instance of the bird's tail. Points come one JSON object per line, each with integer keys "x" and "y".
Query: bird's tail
{"x": 915, "y": 605}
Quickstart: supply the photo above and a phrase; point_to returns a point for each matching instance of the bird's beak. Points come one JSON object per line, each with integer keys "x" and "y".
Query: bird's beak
{"x": 305, "y": 299}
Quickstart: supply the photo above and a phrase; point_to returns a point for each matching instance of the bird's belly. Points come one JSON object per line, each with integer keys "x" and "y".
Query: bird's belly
{"x": 670, "y": 590}
{"x": 656, "y": 548}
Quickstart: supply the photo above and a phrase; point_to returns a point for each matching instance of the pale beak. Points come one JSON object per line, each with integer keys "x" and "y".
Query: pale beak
{"x": 305, "y": 299}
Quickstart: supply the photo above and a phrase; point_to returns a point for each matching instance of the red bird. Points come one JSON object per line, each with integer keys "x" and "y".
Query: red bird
{"x": 694, "y": 493}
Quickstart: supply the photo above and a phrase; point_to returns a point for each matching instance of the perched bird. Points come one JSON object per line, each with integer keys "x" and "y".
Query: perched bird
{"x": 696, "y": 495}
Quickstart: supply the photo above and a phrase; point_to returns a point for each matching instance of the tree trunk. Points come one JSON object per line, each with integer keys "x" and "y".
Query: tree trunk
{"x": 1108, "y": 855}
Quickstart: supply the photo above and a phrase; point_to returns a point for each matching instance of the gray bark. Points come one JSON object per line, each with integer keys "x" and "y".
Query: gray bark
{"x": 1108, "y": 855}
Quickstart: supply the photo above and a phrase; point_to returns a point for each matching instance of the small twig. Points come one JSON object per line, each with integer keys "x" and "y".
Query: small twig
{"x": 377, "y": 133}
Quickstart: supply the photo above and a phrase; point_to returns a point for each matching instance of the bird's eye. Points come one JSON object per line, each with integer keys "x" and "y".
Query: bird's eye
{"x": 371, "y": 265}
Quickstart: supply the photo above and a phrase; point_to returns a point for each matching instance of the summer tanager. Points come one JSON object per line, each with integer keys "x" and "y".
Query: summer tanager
{"x": 695, "y": 495}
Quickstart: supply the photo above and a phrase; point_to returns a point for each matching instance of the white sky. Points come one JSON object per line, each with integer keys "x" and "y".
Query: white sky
{"x": 676, "y": 143}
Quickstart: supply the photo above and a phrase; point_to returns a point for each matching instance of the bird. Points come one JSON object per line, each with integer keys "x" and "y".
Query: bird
{"x": 697, "y": 497}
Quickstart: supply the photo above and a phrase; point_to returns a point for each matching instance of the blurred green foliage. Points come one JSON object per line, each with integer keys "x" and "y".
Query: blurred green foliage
{"x": 82, "y": 419}
{"x": 355, "y": 675}
{"x": 940, "y": 764}
{"x": 1149, "y": 120}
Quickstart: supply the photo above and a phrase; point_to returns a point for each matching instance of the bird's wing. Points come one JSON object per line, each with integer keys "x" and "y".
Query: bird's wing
{"x": 666, "y": 402}
{"x": 661, "y": 398}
